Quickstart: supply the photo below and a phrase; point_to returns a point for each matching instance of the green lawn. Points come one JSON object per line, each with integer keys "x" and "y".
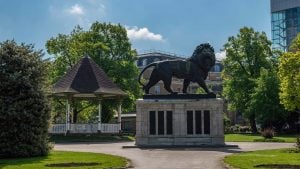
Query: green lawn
{"x": 252, "y": 160}
{"x": 62, "y": 159}
{"x": 89, "y": 138}
{"x": 259, "y": 138}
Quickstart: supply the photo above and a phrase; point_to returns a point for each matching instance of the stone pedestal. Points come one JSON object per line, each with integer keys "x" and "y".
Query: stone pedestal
{"x": 179, "y": 122}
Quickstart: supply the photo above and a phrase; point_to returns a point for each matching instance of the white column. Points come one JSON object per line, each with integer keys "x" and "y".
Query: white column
{"x": 99, "y": 115}
{"x": 119, "y": 115}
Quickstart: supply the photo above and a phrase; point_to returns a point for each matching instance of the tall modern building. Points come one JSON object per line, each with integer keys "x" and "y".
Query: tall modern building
{"x": 285, "y": 22}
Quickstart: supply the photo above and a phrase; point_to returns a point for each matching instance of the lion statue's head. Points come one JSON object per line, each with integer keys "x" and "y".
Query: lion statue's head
{"x": 204, "y": 56}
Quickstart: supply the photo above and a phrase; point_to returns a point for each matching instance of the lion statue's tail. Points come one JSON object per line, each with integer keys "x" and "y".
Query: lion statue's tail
{"x": 145, "y": 68}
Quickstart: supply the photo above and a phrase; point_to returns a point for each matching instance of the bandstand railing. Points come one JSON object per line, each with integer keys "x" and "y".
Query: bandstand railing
{"x": 85, "y": 128}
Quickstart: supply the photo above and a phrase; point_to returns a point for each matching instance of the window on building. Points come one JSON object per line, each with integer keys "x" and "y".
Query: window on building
{"x": 217, "y": 68}
{"x": 152, "y": 122}
{"x": 157, "y": 89}
{"x": 285, "y": 26}
{"x": 189, "y": 122}
{"x": 169, "y": 122}
{"x": 144, "y": 62}
{"x": 161, "y": 122}
{"x": 206, "y": 122}
{"x": 198, "y": 122}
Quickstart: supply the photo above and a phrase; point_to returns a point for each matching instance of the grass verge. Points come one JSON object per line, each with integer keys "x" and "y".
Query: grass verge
{"x": 89, "y": 138}
{"x": 279, "y": 158}
{"x": 259, "y": 138}
{"x": 63, "y": 159}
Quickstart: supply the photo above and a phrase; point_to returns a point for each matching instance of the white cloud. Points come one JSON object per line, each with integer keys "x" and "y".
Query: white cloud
{"x": 136, "y": 33}
{"x": 221, "y": 55}
{"x": 82, "y": 13}
{"x": 76, "y": 10}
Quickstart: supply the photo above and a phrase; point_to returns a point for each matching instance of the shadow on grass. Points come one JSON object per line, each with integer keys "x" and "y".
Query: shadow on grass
{"x": 65, "y": 159}
{"x": 72, "y": 164}
{"x": 275, "y": 140}
{"x": 284, "y": 166}
{"x": 249, "y": 137}
{"x": 90, "y": 139}
{"x": 21, "y": 161}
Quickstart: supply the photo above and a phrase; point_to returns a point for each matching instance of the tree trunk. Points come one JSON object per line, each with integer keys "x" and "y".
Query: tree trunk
{"x": 253, "y": 124}
{"x": 75, "y": 115}
{"x": 75, "y": 111}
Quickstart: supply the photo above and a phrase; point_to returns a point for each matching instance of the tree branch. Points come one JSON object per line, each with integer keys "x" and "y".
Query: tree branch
{"x": 79, "y": 110}
{"x": 239, "y": 62}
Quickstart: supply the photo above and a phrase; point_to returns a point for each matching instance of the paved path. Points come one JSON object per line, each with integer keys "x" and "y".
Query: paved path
{"x": 171, "y": 158}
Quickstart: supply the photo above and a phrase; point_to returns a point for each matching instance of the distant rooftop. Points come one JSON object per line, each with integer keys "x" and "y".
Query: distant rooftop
{"x": 154, "y": 52}
{"x": 279, "y": 5}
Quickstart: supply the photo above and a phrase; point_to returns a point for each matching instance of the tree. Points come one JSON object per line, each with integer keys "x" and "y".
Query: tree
{"x": 109, "y": 46}
{"x": 265, "y": 100}
{"x": 24, "y": 112}
{"x": 289, "y": 74}
{"x": 246, "y": 54}
{"x": 295, "y": 45}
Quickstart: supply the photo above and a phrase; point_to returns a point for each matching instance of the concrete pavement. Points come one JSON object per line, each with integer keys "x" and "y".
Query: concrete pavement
{"x": 170, "y": 158}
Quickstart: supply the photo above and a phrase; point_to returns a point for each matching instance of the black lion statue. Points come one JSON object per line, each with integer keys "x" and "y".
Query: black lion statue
{"x": 193, "y": 69}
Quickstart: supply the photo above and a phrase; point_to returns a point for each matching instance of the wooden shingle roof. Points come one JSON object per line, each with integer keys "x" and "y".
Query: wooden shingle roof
{"x": 86, "y": 79}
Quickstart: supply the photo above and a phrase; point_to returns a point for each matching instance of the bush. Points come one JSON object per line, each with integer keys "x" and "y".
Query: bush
{"x": 238, "y": 129}
{"x": 268, "y": 133}
{"x": 298, "y": 143}
{"x": 24, "y": 111}
{"x": 226, "y": 122}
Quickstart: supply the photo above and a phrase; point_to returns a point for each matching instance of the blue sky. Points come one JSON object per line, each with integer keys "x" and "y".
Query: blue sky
{"x": 168, "y": 25}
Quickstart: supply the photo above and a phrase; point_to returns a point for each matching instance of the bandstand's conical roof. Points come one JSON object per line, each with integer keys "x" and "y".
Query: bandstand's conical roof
{"x": 86, "y": 79}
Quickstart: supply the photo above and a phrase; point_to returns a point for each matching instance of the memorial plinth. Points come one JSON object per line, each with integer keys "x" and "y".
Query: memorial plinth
{"x": 179, "y": 121}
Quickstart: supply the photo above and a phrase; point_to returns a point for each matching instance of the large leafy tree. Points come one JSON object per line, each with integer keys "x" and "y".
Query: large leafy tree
{"x": 246, "y": 54}
{"x": 109, "y": 46}
{"x": 289, "y": 74}
{"x": 265, "y": 100}
{"x": 24, "y": 112}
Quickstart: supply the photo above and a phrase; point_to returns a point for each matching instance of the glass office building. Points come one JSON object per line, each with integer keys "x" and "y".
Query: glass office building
{"x": 285, "y": 22}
